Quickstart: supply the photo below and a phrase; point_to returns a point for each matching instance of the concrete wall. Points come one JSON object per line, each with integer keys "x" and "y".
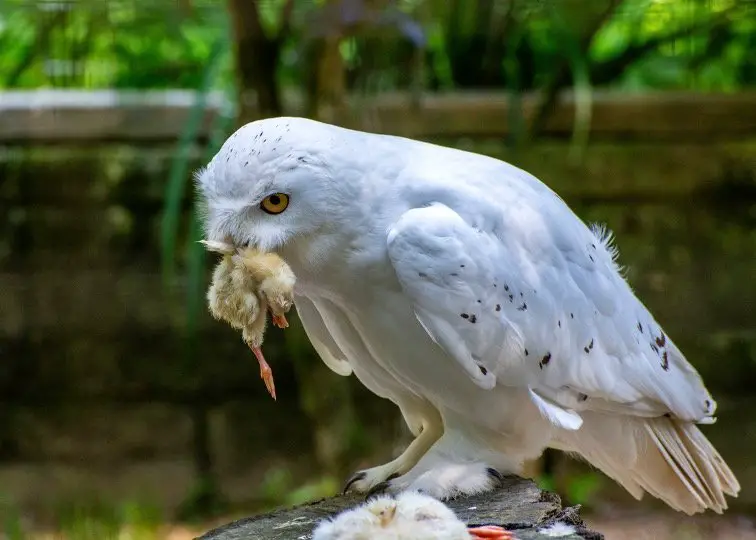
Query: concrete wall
{"x": 98, "y": 390}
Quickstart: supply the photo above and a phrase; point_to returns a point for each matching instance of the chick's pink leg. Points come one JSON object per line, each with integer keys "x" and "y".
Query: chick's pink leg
{"x": 265, "y": 372}
{"x": 491, "y": 531}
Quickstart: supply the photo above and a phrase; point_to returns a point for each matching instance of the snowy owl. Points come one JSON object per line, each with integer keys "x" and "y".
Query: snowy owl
{"x": 469, "y": 294}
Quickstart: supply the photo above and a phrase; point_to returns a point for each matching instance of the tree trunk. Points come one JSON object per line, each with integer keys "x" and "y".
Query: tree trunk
{"x": 327, "y": 75}
{"x": 518, "y": 506}
{"x": 330, "y": 85}
{"x": 256, "y": 58}
{"x": 586, "y": 25}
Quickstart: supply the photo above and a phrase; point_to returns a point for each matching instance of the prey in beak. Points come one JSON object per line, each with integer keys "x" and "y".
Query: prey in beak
{"x": 247, "y": 284}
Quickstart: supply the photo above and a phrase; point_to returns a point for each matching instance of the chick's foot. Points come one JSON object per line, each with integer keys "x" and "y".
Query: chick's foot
{"x": 265, "y": 372}
{"x": 280, "y": 321}
{"x": 491, "y": 532}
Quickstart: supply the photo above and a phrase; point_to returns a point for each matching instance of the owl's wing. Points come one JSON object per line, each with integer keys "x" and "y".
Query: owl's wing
{"x": 542, "y": 305}
{"x": 320, "y": 337}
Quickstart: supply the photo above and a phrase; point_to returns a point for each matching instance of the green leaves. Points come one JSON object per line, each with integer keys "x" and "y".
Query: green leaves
{"x": 94, "y": 44}
{"x": 160, "y": 43}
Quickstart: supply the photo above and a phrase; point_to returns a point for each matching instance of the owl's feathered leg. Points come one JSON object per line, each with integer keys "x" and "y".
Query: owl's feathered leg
{"x": 468, "y": 459}
{"x": 447, "y": 471}
{"x": 375, "y": 479}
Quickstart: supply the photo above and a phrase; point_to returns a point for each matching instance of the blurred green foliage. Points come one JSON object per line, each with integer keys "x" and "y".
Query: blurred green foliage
{"x": 95, "y": 519}
{"x": 577, "y": 488}
{"x": 280, "y": 488}
{"x": 138, "y": 44}
{"x": 11, "y": 525}
{"x": 89, "y": 518}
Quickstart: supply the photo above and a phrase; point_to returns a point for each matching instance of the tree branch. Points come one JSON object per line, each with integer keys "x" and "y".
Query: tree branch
{"x": 500, "y": 26}
{"x": 609, "y": 70}
{"x": 286, "y": 17}
{"x": 518, "y": 506}
{"x": 561, "y": 77}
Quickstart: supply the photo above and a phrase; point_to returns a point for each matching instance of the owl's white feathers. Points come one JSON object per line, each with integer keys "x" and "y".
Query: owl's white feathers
{"x": 467, "y": 292}
{"x": 563, "y": 323}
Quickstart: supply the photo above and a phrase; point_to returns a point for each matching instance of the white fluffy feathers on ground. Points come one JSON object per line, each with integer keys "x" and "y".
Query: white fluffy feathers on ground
{"x": 409, "y": 516}
{"x": 469, "y": 294}
{"x": 247, "y": 283}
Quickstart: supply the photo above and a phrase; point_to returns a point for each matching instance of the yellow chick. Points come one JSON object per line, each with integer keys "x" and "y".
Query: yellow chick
{"x": 275, "y": 279}
{"x": 246, "y": 284}
{"x": 411, "y": 516}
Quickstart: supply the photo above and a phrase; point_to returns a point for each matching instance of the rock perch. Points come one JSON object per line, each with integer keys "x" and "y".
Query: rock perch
{"x": 519, "y": 506}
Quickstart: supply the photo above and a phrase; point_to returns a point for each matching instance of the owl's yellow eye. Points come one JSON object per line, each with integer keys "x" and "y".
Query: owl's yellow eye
{"x": 275, "y": 204}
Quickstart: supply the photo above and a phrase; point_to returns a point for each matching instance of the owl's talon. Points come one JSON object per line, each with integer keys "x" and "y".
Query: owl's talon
{"x": 356, "y": 477}
{"x": 378, "y": 489}
{"x": 495, "y": 475}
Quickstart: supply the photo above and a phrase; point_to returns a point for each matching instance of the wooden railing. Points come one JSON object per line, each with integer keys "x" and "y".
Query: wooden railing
{"x": 71, "y": 116}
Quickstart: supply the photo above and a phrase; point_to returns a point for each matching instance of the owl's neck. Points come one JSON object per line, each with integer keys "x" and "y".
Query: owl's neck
{"x": 334, "y": 264}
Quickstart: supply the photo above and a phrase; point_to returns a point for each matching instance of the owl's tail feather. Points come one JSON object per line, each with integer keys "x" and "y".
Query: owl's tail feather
{"x": 670, "y": 459}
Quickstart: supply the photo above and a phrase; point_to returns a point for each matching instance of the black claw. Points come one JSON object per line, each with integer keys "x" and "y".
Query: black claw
{"x": 378, "y": 489}
{"x": 493, "y": 473}
{"x": 356, "y": 477}
{"x": 391, "y": 477}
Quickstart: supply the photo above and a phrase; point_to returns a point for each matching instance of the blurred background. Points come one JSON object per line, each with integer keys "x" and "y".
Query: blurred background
{"x": 127, "y": 412}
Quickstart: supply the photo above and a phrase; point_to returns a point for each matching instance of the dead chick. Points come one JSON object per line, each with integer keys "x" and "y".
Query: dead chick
{"x": 232, "y": 297}
{"x": 275, "y": 278}
{"x": 246, "y": 284}
{"x": 411, "y": 516}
